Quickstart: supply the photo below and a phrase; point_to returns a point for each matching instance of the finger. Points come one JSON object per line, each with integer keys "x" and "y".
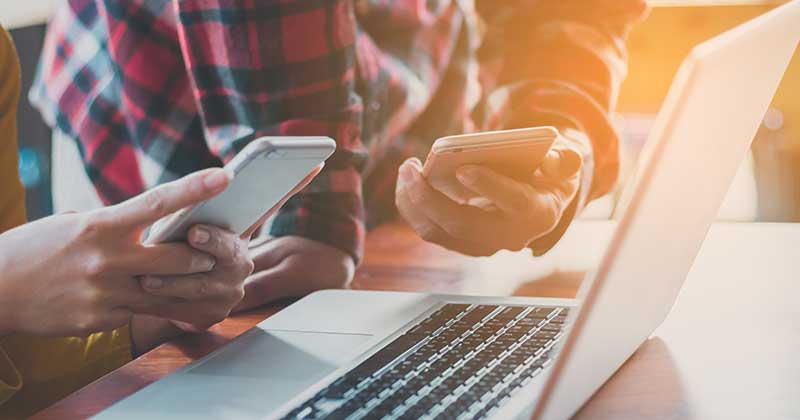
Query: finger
{"x": 226, "y": 247}
{"x": 561, "y": 163}
{"x": 189, "y": 287}
{"x": 269, "y": 254}
{"x": 457, "y": 220}
{"x": 558, "y": 177}
{"x": 129, "y": 294}
{"x": 413, "y": 215}
{"x": 167, "y": 259}
{"x": 299, "y": 187}
{"x": 281, "y": 281}
{"x": 168, "y": 198}
{"x": 430, "y": 232}
{"x": 509, "y": 195}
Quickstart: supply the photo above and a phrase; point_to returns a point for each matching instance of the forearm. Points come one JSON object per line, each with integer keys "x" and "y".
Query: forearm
{"x": 316, "y": 97}
{"x": 567, "y": 72}
{"x": 147, "y": 332}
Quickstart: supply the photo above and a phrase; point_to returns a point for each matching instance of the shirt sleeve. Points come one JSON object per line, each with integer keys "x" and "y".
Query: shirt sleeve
{"x": 561, "y": 63}
{"x": 283, "y": 69}
{"x": 12, "y": 193}
{"x": 43, "y": 370}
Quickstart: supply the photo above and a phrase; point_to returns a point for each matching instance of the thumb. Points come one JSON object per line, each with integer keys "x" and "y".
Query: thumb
{"x": 561, "y": 163}
{"x": 168, "y": 198}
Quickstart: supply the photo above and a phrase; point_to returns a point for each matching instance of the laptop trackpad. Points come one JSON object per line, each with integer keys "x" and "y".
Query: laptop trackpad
{"x": 255, "y": 374}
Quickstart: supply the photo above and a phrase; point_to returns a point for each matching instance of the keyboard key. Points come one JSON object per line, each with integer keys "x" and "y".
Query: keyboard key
{"x": 478, "y": 313}
{"x": 509, "y": 312}
{"x": 385, "y": 355}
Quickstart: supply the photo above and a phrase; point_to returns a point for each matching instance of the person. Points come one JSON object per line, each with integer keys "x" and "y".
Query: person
{"x": 182, "y": 85}
{"x": 80, "y": 295}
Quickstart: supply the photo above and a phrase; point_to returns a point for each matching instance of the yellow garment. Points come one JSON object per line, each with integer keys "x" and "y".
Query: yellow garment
{"x": 34, "y": 371}
{"x": 12, "y": 195}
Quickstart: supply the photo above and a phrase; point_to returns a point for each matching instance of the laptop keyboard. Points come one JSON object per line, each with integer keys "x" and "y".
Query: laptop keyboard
{"x": 461, "y": 362}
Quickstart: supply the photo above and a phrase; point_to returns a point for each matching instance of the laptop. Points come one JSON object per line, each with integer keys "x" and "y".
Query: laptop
{"x": 344, "y": 354}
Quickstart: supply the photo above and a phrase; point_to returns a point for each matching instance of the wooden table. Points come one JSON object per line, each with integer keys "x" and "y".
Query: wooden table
{"x": 729, "y": 349}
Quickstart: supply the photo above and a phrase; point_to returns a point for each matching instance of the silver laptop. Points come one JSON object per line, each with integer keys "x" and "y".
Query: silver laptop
{"x": 364, "y": 355}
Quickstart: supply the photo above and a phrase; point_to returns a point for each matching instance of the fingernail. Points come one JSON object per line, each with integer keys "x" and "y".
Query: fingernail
{"x": 467, "y": 175}
{"x": 200, "y": 235}
{"x": 551, "y": 163}
{"x": 217, "y": 179}
{"x": 406, "y": 174}
{"x": 205, "y": 263}
{"x": 153, "y": 283}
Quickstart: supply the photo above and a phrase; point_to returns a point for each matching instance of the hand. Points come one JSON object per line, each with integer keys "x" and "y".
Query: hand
{"x": 205, "y": 299}
{"x": 520, "y": 212}
{"x": 292, "y": 266}
{"x": 75, "y": 274}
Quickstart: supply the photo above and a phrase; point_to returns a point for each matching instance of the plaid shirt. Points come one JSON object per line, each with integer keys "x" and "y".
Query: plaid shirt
{"x": 155, "y": 89}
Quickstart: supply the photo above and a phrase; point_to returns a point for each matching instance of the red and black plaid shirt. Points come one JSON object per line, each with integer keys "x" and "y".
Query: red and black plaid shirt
{"x": 155, "y": 89}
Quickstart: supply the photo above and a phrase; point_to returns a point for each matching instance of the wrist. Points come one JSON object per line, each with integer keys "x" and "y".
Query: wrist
{"x": 148, "y": 332}
{"x": 9, "y": 314}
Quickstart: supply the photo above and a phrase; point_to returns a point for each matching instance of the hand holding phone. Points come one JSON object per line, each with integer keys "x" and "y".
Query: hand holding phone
{"x": 266, "y": 173}
{"x": 513, "y": 153}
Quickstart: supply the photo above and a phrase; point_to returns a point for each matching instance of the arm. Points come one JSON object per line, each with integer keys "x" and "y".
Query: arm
{"x": 564, "y": 68}
{"x": 287, "y": 69}
{"x": 554, "y": 63}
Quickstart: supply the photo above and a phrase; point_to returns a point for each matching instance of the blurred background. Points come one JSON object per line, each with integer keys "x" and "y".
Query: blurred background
{"x": 767, "y": 187}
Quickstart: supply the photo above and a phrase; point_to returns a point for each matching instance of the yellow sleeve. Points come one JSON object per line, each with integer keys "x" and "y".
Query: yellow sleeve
{"x": 12, "y": 198}
{"x": 12, "y": 194}
{"x": 52, "y": 368}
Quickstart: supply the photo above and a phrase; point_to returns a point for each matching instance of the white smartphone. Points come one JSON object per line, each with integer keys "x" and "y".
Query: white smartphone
{"x": 264, "y": 172}
{"x": 515, "y": 153}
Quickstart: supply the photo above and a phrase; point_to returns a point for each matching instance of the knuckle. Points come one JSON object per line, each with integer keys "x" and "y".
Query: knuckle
{"x": 202, "y": 262}
{"x": 97, "y": 264}
{"x": 89, "y": 226}
{"x": 203, "y": 287}
{"x": 155, "y": 202}
{"x": 238, "y": 294}
{"x": 544, "y": 219}
{"x": 236, "y": 250}
{"x": 215, "y": 240}
{"x": 248, "y": 267}
{"x": 552, "y": 216}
